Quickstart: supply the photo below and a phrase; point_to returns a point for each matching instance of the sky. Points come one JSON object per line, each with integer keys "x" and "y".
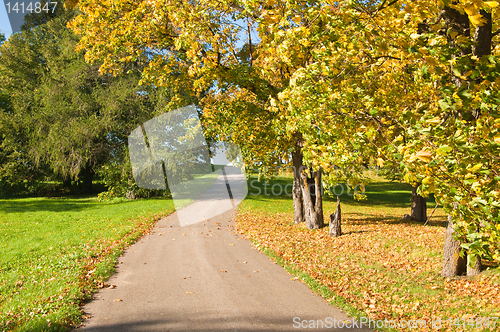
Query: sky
{"x": 4, "y": 21}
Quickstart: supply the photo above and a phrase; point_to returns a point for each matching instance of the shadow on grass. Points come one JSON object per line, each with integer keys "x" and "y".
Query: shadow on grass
{"x": 56, "y": 204}
{"x": 389, "y": 194}
{"x": 278, "y": 192}
{"x": 355, "y": 232}
{"x": 394, "y": 221}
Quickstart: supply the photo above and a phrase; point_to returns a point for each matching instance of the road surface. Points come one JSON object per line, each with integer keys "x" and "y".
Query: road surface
{"x": 204, "y": 277}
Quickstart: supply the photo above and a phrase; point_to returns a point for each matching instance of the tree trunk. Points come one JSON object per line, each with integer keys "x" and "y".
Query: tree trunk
{"x": 298, "y": 203}
{"x": 418, "y": 206}
{"x": 318, "y": 203}
{"x": 473, "y": 268}
{"x": 336, "y": 221}
{"x": 313, "y": 212}
{"x": 483, "y": 36}
{"x": 453, "y": 264}
{"x": 311, "y": 182}
{"x": 459, "y": 22}
{"x": 85, "y": 179}
{"x": 67, "y": 182}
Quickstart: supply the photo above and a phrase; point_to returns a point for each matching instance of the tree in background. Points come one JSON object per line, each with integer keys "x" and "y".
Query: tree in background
{"x": 16, "y": 172}
{"x": 64, "y": 114}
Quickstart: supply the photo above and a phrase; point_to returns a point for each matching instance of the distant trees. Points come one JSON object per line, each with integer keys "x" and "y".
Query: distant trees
{"x": 58, "y": 113}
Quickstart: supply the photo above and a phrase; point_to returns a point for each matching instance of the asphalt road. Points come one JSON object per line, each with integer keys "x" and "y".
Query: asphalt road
{"x": 204, "y": 277}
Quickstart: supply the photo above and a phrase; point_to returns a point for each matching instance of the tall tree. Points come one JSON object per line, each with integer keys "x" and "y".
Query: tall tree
{"x": 428, "y": 91}
{"x": 230, "y": 51}
{"x": 70, "y": 116}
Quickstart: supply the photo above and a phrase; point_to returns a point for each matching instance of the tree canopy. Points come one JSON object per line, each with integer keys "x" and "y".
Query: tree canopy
{"x": 59, "y": 112}
{"x": 406, "y": 84}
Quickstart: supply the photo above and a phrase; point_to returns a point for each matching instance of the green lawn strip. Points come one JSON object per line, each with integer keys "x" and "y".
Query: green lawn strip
{"x": 387, "y": 202}
{"x": 56, "y": 252}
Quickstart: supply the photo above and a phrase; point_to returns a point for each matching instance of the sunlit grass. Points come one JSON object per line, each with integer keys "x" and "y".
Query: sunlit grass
{"x": 55, "y": 251}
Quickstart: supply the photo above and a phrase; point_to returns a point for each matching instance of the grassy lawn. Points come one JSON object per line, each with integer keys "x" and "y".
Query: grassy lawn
{"x": 55, "y": 251}
{"x": 381, "y": 267}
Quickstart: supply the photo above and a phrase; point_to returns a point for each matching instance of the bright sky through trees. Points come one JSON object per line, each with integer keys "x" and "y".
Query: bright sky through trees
{"x": 4, "y": 22}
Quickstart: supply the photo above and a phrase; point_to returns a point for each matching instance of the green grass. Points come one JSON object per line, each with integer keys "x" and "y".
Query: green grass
{"x": 382, "y": 196}
{"x": 55, "y": 251}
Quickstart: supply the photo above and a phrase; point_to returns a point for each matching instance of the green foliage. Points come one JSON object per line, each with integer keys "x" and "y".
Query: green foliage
{"x": 117, "y": 175}
{"x": 58, "y": 111}
{"x": 397, "y": 84}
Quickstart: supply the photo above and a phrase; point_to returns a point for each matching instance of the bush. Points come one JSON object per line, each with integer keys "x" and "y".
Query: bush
{"x": 119, "y": 181}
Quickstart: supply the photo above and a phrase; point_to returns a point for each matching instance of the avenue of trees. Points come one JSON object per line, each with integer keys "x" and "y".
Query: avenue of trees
{"x": 409, "y": 86}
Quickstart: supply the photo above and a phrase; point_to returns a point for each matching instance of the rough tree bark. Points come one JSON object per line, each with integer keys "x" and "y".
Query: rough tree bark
{"x": 453, "y": 264}
{"x": 311, "y": 182}
{"x": 313, "y": 212}
{"x": 473, "y": 268}
{"x": 298, "y": 203}
{"x": 336, "y": 221}
{"x": 418, "y": 206}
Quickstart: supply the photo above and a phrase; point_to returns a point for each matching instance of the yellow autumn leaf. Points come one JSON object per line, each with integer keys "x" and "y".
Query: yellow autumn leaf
{"x": 427, "y": 180}
{"x": 477, "y": 20}
{"x": 476, "y": 168}
{"x": 430, "y": 60}
{"x": 434, "y": 121}
{"x": 491, "y": 4}
{"x": 470, "y": 9}
{"x": 425, "y": 156}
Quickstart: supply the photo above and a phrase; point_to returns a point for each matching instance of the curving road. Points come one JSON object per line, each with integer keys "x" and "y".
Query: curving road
{"x": 204, "y": 277}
